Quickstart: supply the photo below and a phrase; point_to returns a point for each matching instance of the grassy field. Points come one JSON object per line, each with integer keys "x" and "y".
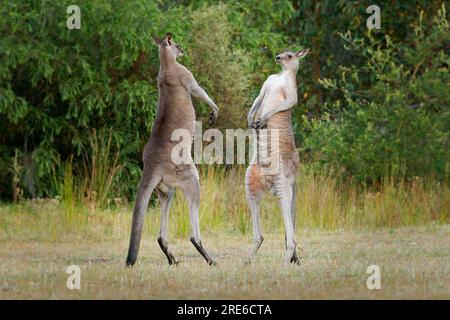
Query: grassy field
{"x": 38, "y": 242}
{"x": 402, "y": 227}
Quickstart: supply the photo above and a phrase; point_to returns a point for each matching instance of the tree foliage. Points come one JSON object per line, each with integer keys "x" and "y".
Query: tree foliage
{"x": 368, "y": 101}
{"x": 391, "y": 112}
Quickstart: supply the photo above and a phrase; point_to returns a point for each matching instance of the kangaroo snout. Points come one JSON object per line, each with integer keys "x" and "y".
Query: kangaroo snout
{"x": 277, "y": 58}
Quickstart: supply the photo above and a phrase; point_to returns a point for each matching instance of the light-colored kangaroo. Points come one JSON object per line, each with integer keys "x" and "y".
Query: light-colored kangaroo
{"x": 175, "y": 111}
{"x": 272, "y": 109}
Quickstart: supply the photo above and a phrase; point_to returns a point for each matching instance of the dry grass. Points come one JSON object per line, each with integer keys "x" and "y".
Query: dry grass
{"x": 414, "y": 264}
{"x": 35, "y": 250}
{"x": 403, "y": 228}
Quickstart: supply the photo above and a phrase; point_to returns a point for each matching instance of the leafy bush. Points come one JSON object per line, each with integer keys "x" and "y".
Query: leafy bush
{"x": 392, "y": 113}
{"x": 56, "y": 85}
{"x": 381, "y": 109}
{"x": 225, "y": 71}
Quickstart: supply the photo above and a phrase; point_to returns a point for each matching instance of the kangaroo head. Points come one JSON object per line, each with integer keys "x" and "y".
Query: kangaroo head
{"x": 290, "y": 60}
{"x": 167, "y": 47}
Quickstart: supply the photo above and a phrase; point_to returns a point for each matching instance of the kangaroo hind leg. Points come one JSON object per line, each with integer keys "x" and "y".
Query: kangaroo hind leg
{"x": 254, "y": 191}
{"x": 165, "y": 199}
{"x": 284, "y": 194}
{"x": 294, "y": 258}
{"x": 191, "y": 190}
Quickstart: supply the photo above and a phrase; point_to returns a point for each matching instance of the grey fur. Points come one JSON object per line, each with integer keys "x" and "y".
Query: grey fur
{"x": 176, "y": 84}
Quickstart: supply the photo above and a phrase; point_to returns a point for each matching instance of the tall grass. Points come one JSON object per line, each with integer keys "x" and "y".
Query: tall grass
{"x": 322, "y": 203}
{"x": 100, "y": 166}
{"x": 84, "y": 188}
{"x": 325, "y": 204}
{"x": 68, "y": 195}
{"x": 222, "y": 203}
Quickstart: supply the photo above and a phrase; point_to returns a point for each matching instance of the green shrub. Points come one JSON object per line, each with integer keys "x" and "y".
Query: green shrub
{"x": 392, "y": 116}
{"x": 56, "y": 85}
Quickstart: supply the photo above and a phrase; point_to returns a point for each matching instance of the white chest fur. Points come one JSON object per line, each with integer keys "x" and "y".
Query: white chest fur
{"x": 277, "y": 88}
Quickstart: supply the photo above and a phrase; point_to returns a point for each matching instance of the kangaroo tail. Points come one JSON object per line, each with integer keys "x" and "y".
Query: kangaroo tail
{"x": 146, "y": 186}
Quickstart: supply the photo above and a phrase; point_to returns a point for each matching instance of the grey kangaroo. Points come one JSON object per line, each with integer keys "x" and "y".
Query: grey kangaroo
{"x": 272, "y": 109}
{"x": 176, "y": 84}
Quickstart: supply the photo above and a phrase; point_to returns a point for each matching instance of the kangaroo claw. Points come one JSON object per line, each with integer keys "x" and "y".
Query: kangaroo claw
{"x": 212, "y": 118}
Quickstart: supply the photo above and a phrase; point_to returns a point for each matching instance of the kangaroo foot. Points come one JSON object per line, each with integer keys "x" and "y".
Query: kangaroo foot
{"x": 165, "y": 249}
{"x": 198, "y": 245}
{"x": 295, "y": 259}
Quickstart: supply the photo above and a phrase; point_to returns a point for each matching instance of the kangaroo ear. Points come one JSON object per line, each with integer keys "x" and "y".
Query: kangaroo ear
{"x": 157, "y": 40}
{"x": 168, "y": 38}
{"x": 302, "y": 53}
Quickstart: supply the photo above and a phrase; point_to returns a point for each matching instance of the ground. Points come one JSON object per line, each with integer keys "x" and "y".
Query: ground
{"x": 414, "y": 264}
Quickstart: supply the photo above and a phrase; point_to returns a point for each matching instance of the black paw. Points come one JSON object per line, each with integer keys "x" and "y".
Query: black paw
{"x": 213, "y": 117}
{"x": 259, "y": 124}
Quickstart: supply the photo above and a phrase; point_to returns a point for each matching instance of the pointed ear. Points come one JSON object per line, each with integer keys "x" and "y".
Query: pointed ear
{"x": 302, "y": 53}
{"x": 168, "y": 38}
{"x": 156, "y": 40}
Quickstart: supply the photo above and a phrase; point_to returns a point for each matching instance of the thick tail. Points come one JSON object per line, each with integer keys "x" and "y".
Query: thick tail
{"x": 146, "y": 186}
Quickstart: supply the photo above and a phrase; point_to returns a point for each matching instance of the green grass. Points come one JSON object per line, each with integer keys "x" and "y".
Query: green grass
{"x": 322, "y": 204}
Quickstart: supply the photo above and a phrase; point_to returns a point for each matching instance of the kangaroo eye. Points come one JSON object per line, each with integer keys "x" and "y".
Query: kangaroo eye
{"x": 289, "y": 56}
